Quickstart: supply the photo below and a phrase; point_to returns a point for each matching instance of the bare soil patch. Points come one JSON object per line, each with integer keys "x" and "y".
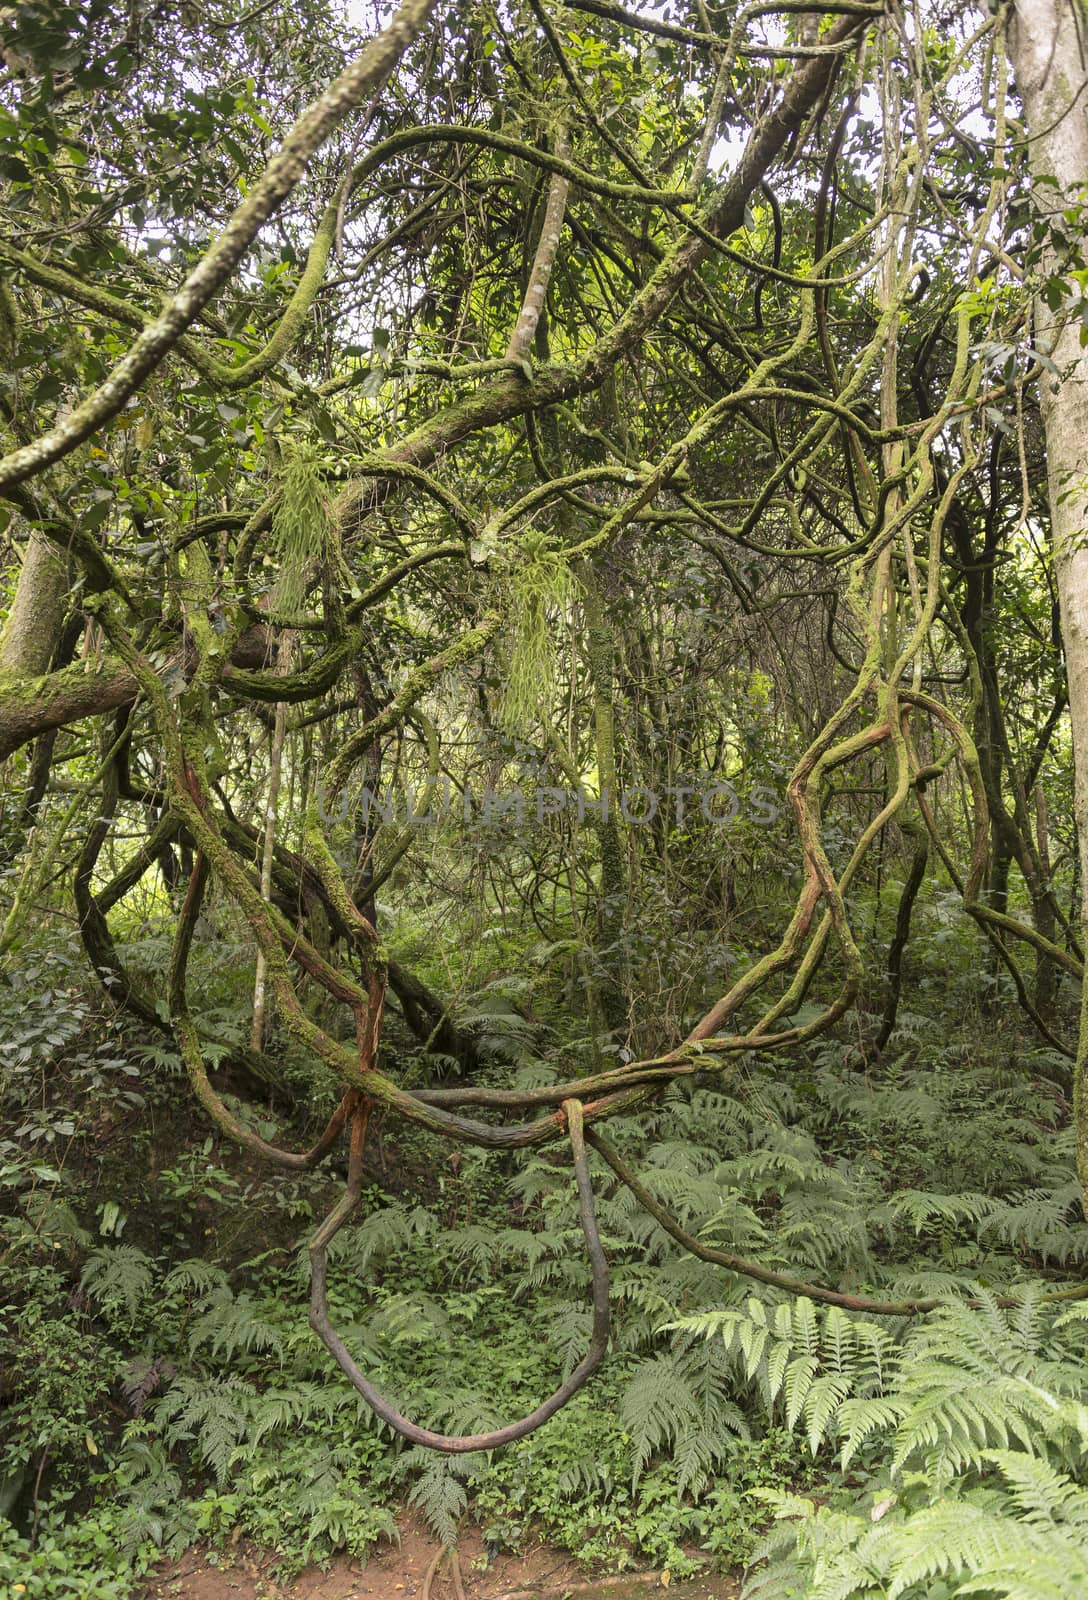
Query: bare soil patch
{"x": 399, "y": 1572}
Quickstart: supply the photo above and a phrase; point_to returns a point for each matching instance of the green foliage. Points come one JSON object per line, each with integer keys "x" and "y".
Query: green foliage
{"x": 55, "y": 1420}
{"x": 303, "y": 533}
{"x": 974, "y": 1440}
{"x": 953, "y": 1383}
{"x": 182, "y": 1396}
{"x": 803, "y": 1363}
{"x": 541, "y": 588}
{"x": 81, "y": 1558}
{"x": 645, "y": 555}
{"x": 1013, "y": 1528}
{"x": 677, "y": 1405}
{"x": 584, "y": 1483}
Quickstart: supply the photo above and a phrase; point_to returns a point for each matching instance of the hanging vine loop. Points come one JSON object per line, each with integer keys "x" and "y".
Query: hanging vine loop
{"x": 461, "y": 1444}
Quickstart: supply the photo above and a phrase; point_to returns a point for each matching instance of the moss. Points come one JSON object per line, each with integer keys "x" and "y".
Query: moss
{"x": 9, "y": 321}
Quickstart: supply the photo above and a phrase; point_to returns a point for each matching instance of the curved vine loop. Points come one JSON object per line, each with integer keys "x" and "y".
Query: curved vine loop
{"x": 193, "y": 1057}
{"x": 461, "y": 1444}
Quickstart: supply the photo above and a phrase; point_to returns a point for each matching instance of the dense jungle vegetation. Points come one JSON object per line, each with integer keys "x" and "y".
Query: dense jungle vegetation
{"x": 544, "y": 719}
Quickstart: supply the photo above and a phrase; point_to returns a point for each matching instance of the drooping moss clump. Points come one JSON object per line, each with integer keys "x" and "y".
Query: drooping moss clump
{"x": 303, "y": 532}
{"x": 540, "y": 590}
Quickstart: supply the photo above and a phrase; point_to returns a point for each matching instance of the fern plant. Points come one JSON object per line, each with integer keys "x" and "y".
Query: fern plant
{"x": 975, "y": 1443}
{"x": 946, "y": 1388}
{"x": 1019, "y": 1532}
{"x": 678, "y": 1405}
{"x": 802, "y": 1362}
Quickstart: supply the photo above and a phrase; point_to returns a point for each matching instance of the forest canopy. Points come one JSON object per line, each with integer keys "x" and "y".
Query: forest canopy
{"x": 544, "y": 647}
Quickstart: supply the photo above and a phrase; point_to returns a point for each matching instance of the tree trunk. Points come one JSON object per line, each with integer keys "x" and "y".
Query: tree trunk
{"x": 34, "y": 622}
{"x": 1052, "y": 80}
{"x": 916, "y": 832}
{"x": 613, "y": 901}
{"x": 259, "y": 1025}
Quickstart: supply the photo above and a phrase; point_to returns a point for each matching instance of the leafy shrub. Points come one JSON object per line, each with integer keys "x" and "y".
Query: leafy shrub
{"x": 81, "y": 1557}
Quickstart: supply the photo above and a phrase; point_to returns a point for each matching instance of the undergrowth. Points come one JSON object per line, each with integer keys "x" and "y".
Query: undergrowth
{"x": 155, "y": 1287}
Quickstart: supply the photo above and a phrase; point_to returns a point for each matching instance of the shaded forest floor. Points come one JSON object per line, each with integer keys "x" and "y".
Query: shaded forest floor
{"x": 399, "y": 1572}
{"x": 161, "y": 1388}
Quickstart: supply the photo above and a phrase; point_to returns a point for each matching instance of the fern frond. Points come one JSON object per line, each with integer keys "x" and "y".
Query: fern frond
{"x": 234, "y": 1326}
{"x": 211, "y": 1414}
{"x": 921, "y": 1209}
{"x": 119, "y": 1278}
{"x": 1041, "y": 1493}
{"x": 657, "y": 1404}
{"x": 198, "y": 1280}
{"x": 440, "y": 1497}
{"x": 678, "y": 1404}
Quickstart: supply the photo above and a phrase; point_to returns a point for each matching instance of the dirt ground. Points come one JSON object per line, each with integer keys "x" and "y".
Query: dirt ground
{"x": 401, "y": 1573}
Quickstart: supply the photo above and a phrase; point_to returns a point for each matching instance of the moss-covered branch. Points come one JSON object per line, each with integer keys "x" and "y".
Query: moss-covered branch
{"x": 364, "y": 75}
